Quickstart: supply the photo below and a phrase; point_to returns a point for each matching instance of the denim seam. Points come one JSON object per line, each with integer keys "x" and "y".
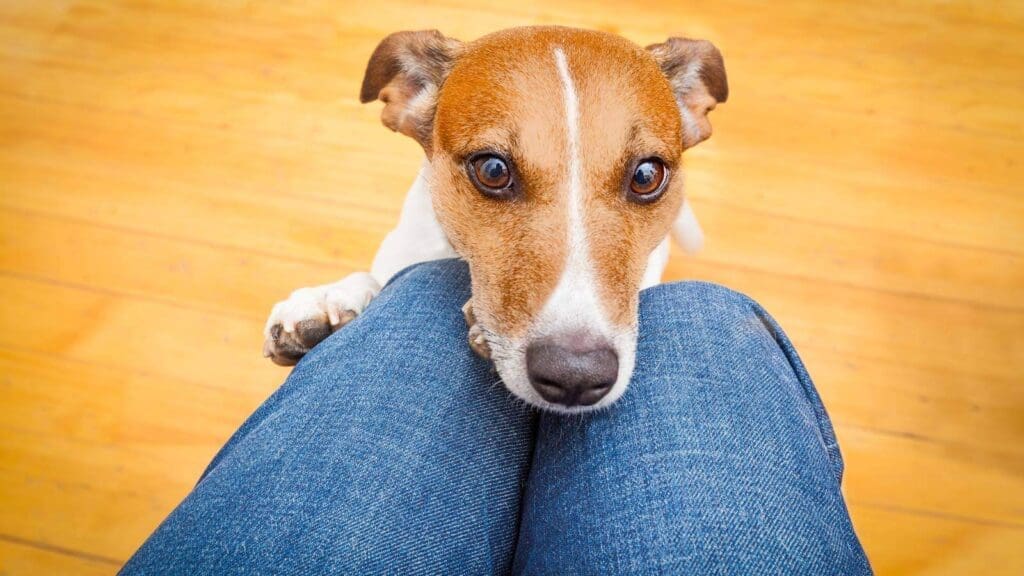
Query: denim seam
{"x": 826, "y": 432}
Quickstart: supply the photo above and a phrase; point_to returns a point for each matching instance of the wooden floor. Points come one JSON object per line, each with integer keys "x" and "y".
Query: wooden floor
{"x": 168, "y": 170}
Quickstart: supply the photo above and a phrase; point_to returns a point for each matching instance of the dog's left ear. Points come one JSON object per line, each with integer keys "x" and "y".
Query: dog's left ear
{"x": 697, "y": 74}
{"x": 406, "y": 72}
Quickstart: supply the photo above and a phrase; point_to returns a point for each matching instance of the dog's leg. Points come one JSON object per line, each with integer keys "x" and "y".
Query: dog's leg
{"x": 686, "y": 230}
{"x": 418, "y": 236}
{"x": 656, "y": 263}
{"x": 311, "y": 314}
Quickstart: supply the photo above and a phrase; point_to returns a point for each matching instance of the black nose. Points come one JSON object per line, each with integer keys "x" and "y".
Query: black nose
{"x": 571, "y": 371}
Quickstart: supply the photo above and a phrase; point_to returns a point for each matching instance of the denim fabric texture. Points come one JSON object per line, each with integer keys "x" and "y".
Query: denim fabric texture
{"x": 719, "y": 459}
{"x": 393, "y": 449}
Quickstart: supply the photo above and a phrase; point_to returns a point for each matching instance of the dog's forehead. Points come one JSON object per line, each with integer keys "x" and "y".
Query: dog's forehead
{"x": 505, "y": 91}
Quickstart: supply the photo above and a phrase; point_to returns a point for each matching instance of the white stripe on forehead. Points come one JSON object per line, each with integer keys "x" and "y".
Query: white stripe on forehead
{"x": 572, "y": 121}
{"x": 574, "y": 305}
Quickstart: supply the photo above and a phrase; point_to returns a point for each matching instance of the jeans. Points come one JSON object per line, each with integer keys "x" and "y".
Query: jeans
{"x": 393, "y": 449}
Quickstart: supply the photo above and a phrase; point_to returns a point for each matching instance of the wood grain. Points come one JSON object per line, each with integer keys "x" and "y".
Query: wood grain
{"x": 169, "y": 169}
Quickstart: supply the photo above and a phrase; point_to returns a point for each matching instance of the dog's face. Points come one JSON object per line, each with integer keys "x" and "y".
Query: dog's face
{"x": 555, "y": 161}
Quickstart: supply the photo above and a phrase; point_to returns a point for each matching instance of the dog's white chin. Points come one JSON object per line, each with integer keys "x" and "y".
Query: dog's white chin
{"x": 510, "y": 360}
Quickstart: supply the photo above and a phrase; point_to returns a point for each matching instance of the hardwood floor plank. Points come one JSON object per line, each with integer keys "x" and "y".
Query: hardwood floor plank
{"x": 920, "y": 476}
{"x": 19, "y": 557}
{"x": 91, "y": 447}
{"x": 899, "y": 543}
{"x": 113, "y": 329}
{"x": 869, "y": 325}
{"x": 220, "y": 279}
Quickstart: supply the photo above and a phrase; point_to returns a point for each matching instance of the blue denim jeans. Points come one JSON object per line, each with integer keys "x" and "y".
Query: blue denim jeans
{"x": 393, "y": 449}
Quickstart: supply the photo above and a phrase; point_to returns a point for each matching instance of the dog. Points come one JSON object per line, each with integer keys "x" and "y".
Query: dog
{"x": 553, "y": 168}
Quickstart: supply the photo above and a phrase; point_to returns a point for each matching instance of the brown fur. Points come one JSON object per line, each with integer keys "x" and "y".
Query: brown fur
{"x": 503, "y": 94}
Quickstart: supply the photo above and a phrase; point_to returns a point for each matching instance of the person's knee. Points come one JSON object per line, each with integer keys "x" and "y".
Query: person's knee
{"x": 709, "y": 332}
{"x": 684, "y": 300}
{"x": 726, "y": 344}
{"x": 421, "y": 302}
{"x": 701, "y": 323}
{"x": 412, "y": 333}
{"x": 449, "y": 270}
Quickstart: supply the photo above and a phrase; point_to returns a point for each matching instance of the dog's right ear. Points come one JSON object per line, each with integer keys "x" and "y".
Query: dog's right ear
{"x": 405, "y": 72}
{"x": 696, "y": 72}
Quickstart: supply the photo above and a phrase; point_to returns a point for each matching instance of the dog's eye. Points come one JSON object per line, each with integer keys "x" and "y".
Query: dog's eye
{"x": 490, "y": 174}
{"x": 648, "y": 179}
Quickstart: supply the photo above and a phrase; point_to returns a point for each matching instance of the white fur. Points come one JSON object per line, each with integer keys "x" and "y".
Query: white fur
{"x": 418, "y": 237}
{"x": 687, "y": 231}
{"x": 329, "y": 301}
{"x": 656, "y": 263}
{"x": 574, "y": 306}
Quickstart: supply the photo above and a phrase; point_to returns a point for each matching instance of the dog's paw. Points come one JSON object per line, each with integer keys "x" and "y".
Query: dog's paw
{"x": 310, "y": 315}
{"x": 477, "y": 340}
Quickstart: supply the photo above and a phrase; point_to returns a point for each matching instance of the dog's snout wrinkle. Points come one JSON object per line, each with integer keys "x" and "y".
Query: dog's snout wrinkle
{"x": 570, "y": 371}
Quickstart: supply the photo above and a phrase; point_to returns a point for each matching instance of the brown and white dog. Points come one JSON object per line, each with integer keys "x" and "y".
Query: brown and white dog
{"x": 553, "y": 167}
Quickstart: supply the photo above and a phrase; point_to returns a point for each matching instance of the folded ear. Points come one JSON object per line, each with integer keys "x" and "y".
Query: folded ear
{"x": 405, "y": 72}
{"x": 697, "y": 74}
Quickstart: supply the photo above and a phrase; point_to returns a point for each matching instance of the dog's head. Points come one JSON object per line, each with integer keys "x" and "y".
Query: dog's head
{"x": 555, "y": 160}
